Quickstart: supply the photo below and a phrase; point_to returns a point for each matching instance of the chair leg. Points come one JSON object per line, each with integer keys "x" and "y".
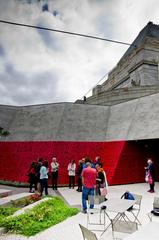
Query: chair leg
{"x": 136, "y": 218}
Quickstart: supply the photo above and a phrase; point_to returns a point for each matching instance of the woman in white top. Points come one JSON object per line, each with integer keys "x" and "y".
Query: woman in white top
{"x": 71, "y": 173}
{"x": 54, "y": 172}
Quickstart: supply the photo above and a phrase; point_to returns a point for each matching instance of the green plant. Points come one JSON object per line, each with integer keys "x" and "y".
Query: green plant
{"x": 42, "y": 216}
{"x": 5, "y": 212}
{"x": 5, "y": 133}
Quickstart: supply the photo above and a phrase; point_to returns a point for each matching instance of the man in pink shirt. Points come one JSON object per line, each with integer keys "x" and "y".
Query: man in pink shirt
{"x": 89, "y": 176}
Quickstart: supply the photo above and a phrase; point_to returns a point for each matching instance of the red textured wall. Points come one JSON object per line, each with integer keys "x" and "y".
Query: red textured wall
{"x": 123, "y": 161}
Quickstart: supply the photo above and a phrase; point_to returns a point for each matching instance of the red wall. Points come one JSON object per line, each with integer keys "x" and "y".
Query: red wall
{"x": 123, "y": 161}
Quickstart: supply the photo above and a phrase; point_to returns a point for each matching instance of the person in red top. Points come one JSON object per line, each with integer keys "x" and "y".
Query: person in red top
{"x": 89, "y": 176}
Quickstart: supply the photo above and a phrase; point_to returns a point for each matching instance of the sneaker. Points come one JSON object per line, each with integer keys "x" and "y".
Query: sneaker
{"x": 84, "y": 211}
{"x": 151, "y": 191}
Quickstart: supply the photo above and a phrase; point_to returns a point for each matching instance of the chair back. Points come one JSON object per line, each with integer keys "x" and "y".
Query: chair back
{"x": 96, "y": 199}
{"x": 156, "y": 202}
{"x": 87, "y": 234}
{"x": 125, "y": 226}
{"x": 138, "y": 199}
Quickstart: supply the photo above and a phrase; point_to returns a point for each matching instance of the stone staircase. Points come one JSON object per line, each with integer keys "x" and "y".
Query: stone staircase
{"x": 6, "y": 200}
{"x": 5, "y": 193}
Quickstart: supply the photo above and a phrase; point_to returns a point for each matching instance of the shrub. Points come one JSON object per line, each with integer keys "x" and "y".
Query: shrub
{"x": 40, "y": 217}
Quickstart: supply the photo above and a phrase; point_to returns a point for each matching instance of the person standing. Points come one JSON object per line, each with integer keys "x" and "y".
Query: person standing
{"x": 44, "y": 177}
{"x": 54, "y": 172}
{"x": 100, "y": 180}
{"x": 79, "y": 177}
{"x": 37, "y": 170}
{"x": 150, "y": 171}
{"x": 89, "y": 181}
{"x": 71, "y": 173}
{"x": 98, "y": 162}
{"x": 32, "y": 177}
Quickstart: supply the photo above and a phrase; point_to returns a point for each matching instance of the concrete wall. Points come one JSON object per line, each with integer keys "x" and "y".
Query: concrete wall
{"x": 135, "y": 119}
{"x": 59, "y": 122}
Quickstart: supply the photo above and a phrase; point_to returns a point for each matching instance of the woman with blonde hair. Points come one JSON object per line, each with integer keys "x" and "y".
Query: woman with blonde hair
{"x": 101, "y": 182}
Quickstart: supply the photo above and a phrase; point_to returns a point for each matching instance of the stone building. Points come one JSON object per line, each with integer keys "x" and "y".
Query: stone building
{"x": 136, "y": 74}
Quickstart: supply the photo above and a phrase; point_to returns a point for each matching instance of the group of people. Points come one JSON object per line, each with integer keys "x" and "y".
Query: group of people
{"x": 91, "y": 177}
{"x": 38, "y": 175}
{"x": 94, "y": 181}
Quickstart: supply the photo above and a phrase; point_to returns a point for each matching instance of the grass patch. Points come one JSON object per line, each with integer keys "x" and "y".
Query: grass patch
{"x": 40, "y": 217}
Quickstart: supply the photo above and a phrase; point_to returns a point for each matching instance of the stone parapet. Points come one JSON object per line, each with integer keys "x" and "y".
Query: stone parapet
{"x": 122, "y": 95}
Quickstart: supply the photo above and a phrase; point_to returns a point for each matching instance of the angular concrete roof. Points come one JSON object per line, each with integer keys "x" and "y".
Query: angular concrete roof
{"x": 150, "y": 30}
{"x": 136, "y": 119}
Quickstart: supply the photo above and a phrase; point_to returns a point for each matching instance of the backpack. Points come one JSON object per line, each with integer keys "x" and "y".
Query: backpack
{"x": 129, "y": 196}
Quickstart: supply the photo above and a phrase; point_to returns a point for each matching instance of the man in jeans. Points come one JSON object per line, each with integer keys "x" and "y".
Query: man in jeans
{"x": 89, "y": 176}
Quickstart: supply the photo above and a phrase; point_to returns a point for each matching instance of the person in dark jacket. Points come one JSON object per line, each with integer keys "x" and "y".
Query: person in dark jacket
{"x": 150, "y": 169}
{"x": 79, "y": 177}
{"x": 32, "y": 177}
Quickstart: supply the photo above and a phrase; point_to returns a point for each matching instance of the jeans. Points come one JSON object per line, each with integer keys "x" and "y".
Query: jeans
{"x": 85, "y": 193}
{"x": 44, "y": 185}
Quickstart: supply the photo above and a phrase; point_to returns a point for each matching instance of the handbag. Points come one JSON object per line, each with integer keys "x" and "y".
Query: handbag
{"x": 148, "y": 177}
{"x": 103, "y": 191}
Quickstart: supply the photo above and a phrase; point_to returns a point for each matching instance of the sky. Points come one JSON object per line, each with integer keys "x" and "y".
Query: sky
{"x": 39, "y": 67}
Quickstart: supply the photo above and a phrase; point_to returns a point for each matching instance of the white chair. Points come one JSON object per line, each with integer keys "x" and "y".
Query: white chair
{"x": 155, "y": 205}
{"x": 136, "y": 208}
{"x": 123, "y": 227}
{"x": 96, "y": 200}
{"x": 87, "y": 234}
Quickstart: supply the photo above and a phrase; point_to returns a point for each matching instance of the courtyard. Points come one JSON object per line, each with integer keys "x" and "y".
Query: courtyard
{"x": 69, "y": 229}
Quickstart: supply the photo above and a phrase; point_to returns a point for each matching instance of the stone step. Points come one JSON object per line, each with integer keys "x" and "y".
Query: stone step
{"x": 5, "y": 193}
{"x": 3, "y": 230}
{"x": 23, "y": 210}
{"x": 6, "y": 200}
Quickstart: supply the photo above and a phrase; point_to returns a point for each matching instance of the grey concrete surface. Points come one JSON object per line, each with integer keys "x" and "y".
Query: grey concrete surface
{"x": 135, "y": 119}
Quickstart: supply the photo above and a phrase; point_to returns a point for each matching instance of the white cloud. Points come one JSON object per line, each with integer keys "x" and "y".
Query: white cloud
{"x": 51, "y": 67}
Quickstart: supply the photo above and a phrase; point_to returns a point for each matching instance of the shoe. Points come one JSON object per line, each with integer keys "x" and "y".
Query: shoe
{"x": 84, "y": 211}
{"x": 151, "y": 191}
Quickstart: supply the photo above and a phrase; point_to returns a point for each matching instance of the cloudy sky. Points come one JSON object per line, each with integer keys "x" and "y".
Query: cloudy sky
{"x": 43, "y": 67}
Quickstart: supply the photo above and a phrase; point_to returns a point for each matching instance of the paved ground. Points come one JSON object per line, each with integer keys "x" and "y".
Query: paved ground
{"x": 69, "y": 229}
